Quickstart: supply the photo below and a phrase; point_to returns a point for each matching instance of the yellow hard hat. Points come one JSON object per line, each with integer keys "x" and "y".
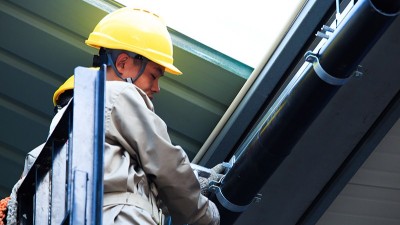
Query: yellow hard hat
{"x": 67, "y": 85}
{"x": 138, "y": 31}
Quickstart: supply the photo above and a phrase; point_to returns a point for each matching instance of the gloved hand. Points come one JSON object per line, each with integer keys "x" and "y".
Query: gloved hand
{"x": 205, "y": 176}
{"x": 204, "y": 185}
{"x": 217, "y": 172}
{"x": 12, "y": 206}
{"x": 3, "y": 210}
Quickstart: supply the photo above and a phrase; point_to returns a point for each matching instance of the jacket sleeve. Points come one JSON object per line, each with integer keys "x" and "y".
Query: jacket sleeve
{"x": 168, "y": 166}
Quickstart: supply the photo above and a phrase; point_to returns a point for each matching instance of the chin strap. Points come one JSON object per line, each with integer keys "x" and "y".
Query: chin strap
{"x": 104, "y": 57}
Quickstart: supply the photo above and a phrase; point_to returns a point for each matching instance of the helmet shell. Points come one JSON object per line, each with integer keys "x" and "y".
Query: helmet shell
{"x": 67, "y": 85}
{"x": 138, "y": 31}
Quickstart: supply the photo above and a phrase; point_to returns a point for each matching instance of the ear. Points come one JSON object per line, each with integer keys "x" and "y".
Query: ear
{"x": 120, "y": 62}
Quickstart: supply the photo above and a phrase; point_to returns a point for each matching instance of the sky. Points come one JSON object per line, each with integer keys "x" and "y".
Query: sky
{"x": 244, "y": 30}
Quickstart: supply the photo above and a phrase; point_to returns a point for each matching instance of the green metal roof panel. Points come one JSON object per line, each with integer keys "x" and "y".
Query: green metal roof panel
{"x": 43, "y": 41}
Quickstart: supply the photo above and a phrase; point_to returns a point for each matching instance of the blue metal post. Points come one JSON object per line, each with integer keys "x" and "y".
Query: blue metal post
{"x": 88, "y": 147}
{"x": 65, "y": 184}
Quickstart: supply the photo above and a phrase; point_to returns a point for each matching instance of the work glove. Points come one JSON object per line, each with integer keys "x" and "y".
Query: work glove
{"x": 217, "y": 172}
{"x": 3, "y": 210}
{"x": 12, "y": 206}
{"x": 205, "y": 176}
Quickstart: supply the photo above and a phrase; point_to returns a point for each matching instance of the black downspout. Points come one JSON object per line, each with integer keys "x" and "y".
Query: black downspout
{"x": 300, "y": 103}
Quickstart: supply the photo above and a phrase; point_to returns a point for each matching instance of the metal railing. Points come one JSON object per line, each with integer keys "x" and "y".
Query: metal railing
{"x": 65, "y": 184}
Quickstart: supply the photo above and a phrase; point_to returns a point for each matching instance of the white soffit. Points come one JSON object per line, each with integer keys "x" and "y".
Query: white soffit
{"x": 247, "y": 31}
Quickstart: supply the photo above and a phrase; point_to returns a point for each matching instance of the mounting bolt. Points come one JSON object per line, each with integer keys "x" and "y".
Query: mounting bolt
{"x": 358, "y": 73}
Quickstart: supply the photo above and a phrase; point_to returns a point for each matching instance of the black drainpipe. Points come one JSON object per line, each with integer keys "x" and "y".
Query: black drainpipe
{"x": 300, "y": 103}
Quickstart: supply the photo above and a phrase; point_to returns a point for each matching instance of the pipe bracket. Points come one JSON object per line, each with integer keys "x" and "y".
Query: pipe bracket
{"x": 325, "y": 76}
{"x": 216, "y": 189}
{"x": 389, "y": 14}
{"x": 226, "y": 203}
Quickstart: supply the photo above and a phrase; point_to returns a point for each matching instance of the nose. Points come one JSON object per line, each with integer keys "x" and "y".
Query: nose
{"x": 156, "y": 87}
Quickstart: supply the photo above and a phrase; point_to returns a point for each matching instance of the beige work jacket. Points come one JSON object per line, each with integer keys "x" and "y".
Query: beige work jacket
{"x": 139, "y": 154}
{"x": 138, "y": 151}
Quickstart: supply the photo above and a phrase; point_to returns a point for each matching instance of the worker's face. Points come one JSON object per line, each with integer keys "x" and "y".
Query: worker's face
{"x": 148, "y": 81}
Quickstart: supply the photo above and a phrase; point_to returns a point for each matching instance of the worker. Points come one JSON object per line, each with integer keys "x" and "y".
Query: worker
{"x": 145, "y": 175}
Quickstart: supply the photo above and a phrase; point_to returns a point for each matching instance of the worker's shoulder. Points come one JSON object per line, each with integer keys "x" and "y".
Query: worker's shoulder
{"x": 118, "y": 89}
